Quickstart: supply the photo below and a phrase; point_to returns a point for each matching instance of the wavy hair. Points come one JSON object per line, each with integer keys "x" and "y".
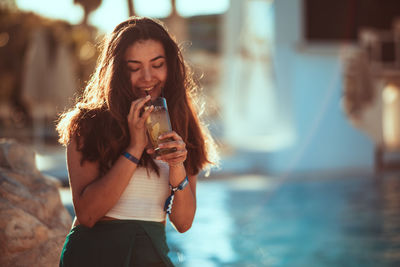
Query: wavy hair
{"x": 98, "y": 120}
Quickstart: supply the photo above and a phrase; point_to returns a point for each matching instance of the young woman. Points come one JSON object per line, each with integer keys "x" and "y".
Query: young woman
{"x": 119, "y": 187}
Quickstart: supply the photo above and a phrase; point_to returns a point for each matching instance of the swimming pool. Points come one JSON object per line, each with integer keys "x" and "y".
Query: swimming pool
{"x": 255, "y": 220}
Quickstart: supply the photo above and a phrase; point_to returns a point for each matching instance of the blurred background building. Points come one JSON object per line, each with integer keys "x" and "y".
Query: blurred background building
{"x": 274, "y": 73}
{"x": 293, "y": 88}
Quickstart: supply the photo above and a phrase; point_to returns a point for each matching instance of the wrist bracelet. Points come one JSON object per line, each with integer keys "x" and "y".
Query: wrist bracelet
{"x": 170, "y": 199}
{"x": 181, "y": 186}
{"x": 131, "y": 158}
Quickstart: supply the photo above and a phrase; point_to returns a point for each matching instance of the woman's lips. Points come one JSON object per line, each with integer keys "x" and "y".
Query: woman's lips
{"x": 148, "y": 88}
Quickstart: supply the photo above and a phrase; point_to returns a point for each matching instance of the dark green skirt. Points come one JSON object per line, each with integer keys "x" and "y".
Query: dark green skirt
{"x": 116, "y": 243}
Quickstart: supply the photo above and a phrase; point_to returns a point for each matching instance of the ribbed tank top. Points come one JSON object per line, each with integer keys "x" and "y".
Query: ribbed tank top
{"x": 144, "y": 197}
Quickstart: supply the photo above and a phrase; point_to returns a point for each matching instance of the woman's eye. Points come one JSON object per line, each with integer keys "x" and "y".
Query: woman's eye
{"x": 133, "y": 70}
{"x": 158, "y": 66}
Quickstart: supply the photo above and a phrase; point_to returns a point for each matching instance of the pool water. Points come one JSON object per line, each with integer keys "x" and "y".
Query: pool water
{"x": 255, "y": 220}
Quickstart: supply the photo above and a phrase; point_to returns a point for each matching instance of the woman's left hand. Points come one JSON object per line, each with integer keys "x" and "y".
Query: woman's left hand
{"x": 174, "y": 158}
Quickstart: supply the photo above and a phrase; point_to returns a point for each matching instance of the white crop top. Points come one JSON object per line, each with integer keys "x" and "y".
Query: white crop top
{"x": 144, "y": 197}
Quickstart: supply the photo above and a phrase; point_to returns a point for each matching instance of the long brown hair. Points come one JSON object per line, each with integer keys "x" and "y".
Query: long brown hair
{"x": 98, "y": 120}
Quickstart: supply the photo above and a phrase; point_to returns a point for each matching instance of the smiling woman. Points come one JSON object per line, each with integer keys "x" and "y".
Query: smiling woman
{"x": 147, "y": 68}
{"x": 121, "y": 192}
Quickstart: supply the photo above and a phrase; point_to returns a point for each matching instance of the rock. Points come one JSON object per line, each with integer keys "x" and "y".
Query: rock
{"x": 17, "y": 157}
{"x": 33, "y": 220}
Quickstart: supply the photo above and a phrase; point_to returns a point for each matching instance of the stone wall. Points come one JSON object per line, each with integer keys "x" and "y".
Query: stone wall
{"x": 33, "y": 220}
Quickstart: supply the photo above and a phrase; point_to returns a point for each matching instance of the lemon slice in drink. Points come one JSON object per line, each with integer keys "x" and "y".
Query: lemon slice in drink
{"x": 155, "y": 129}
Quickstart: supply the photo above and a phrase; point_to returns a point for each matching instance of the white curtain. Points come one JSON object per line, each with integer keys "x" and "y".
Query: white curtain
{"x": 250, "y": 104}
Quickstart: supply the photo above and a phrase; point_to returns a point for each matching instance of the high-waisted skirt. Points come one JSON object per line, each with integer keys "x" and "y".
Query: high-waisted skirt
{"x": 116, "y": 243}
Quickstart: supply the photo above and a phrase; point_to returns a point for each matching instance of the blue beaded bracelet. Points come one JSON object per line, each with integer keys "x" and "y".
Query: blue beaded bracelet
{"x": 131, "y": 158}
{"x": 170, "y": 199}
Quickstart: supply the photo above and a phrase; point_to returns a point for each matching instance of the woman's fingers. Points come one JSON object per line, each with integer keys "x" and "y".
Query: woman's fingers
{"x": 173, "y": 158}
{"x": 135, "y": 108}
{"x": 130, "y": 114}
{"x": 171, "y": 134}
{"x": 174, "y": 155}
{"x": 179, "y": 145}
{"x": 179, "y": 155}
{"x": 145, "y": 115}
{"x": 139, "y": 105}
{"x": 150, "y": 151}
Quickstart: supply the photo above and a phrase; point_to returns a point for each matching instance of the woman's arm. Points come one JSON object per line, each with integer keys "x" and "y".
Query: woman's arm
{"x": 184, "y": 205}
{"x": 94, "y": 196}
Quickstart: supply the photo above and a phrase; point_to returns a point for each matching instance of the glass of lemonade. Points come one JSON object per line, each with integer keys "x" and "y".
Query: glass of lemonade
{"x": 159, "y": 123}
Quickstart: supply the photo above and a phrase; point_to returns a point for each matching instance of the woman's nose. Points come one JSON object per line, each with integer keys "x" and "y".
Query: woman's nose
{"x": 147, "y": 74}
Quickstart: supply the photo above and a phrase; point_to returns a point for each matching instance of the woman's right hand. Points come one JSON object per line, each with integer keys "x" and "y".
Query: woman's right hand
{"x": 136, "y": 123}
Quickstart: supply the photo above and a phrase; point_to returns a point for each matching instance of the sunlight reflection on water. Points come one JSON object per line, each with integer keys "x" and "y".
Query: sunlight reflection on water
{"x": 256, "y": 221}
{"x": 214, "y": 242}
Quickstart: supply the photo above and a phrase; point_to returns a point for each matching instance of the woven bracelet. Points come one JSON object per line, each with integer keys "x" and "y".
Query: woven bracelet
{"x": 170, "y": 199}
{"x": 131, "y": 158}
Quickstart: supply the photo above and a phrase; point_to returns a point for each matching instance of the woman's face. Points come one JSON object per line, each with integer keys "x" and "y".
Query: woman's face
{"x": 147, "y": 67}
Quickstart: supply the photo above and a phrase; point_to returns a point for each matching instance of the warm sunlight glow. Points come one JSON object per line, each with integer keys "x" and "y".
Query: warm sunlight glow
{"x": 111, "y": 12}
{"x": 189, "y": 8}
{"x": 61, "y": 9}
{"x": 390, "y": 94}
{"x": 391, "y": 116}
